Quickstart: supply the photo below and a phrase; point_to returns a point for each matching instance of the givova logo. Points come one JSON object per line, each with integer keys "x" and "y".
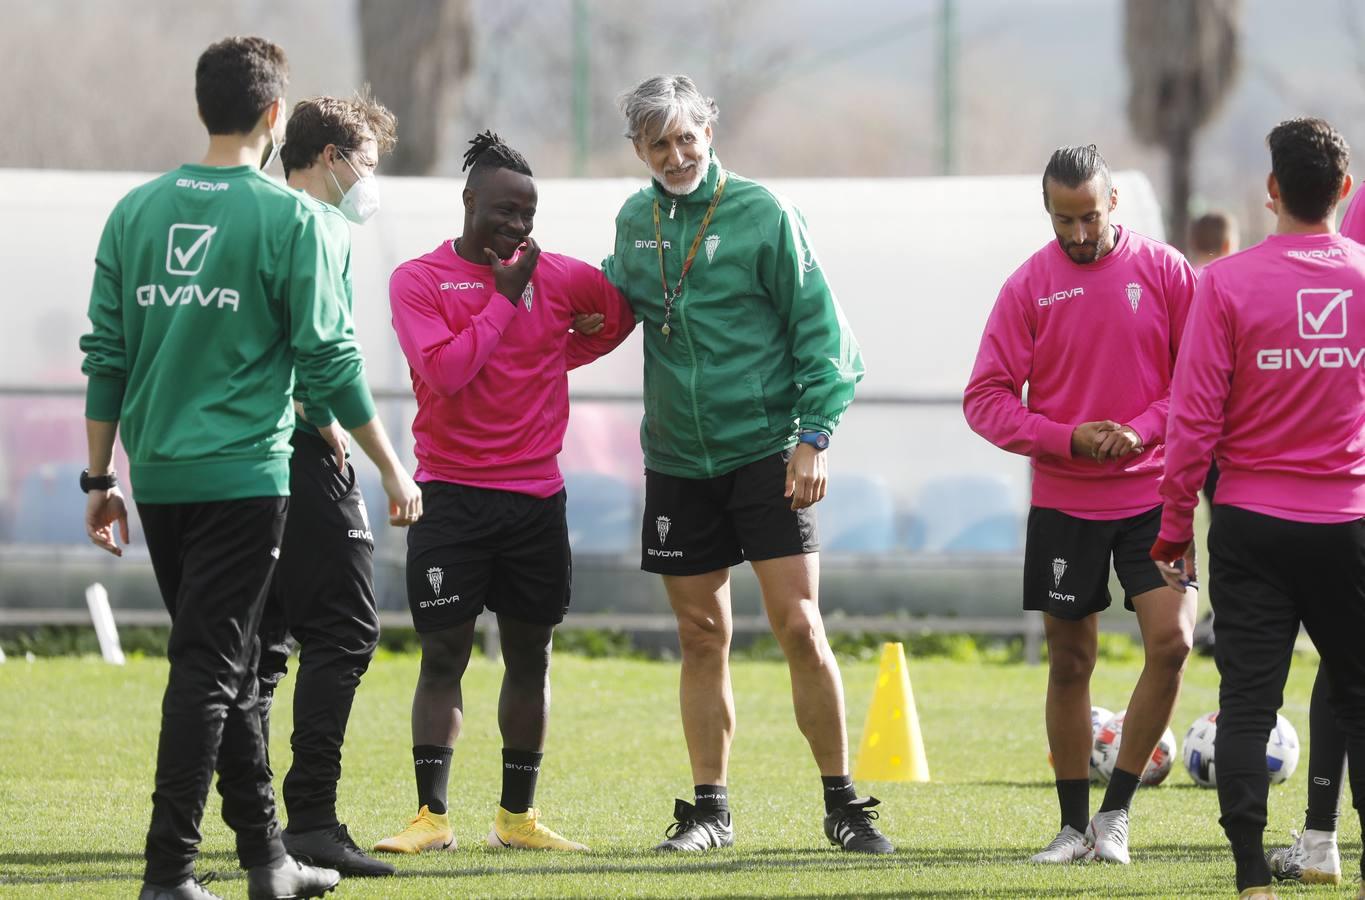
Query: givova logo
{"x": 187, "y": 249}
{"x": 187, "y": 246}
{"x": 1322, "y": 313}
{"x": 1321, "y": 316}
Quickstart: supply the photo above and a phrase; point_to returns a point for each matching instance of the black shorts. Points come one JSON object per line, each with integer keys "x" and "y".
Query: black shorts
{"x": 696, "y": 525}
{"x": 1066, "y": 561}
{"x": 476, "y": 548}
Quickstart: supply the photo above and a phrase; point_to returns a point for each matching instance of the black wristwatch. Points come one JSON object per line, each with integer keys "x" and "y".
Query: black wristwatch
{"x": 98, "y": 482}
{"x": 817, "y": 439}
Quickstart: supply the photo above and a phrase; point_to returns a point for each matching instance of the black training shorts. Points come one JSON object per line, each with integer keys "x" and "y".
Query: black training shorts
{"x": 694, "y": 525}
{"x": 1066, "y": 561}
{"x": 476, "y": 548}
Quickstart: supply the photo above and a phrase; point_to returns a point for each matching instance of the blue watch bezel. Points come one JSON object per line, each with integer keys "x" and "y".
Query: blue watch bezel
{"x": 817, "y": 439}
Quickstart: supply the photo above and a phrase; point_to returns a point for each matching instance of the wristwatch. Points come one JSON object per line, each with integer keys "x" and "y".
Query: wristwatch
{"x": 98, "y": 482}
{"x": 817, "y": 439}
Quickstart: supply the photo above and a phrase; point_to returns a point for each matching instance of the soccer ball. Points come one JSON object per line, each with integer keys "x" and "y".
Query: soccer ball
{"x": 1281, "y": 750}
{"x": 1105, "y": 753}
{"x": 1098, "y": 716}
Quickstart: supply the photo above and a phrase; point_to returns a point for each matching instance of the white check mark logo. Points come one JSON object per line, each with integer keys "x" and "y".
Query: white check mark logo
{"x": 183, "y": 257}
{"x": 1312, "y": 326}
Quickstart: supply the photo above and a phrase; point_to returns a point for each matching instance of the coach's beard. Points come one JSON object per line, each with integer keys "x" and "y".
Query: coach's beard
{"x": 695, "y": 182}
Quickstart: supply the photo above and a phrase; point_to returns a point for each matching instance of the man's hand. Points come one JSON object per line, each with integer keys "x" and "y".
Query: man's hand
{"x": 511, "y": 280}
{"x": 588, "y": 324}
{"x": 338, "y": 439}
{"x": 1176, "y": 563}
{"x": 405, "y": 498}
{"x": 807, "y": 476}
{"x": 1117, "y": 444}
{"x": 102, "y": 510}
{"x": 1085, "y": 440}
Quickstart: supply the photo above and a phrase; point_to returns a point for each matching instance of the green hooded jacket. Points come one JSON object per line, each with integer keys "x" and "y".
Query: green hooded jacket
{"x": 758, "y": 346}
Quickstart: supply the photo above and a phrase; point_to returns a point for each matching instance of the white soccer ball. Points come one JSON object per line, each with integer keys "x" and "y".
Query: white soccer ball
{"x": 1104, "y": 753}
{"x": 1281, "y": 750}
{"x": 1098, "y": 716}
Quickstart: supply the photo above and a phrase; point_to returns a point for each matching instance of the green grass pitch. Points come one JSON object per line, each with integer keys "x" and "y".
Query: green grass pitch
{"x": 77, "y": 739}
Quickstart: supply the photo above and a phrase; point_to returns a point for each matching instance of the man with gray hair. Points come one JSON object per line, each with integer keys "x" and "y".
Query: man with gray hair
{"x": 749, "y": 366}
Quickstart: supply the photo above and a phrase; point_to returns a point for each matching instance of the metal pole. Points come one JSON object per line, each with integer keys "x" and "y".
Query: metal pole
{"x": 947, "y": 75}
{"x": 580, "y": 88}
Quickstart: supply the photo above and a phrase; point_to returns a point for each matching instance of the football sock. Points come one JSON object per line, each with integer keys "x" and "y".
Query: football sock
{"x": 519, "y": 771}
{"x": 432, "y": 764}
{"x": 714, "y": 800}
{"x": 1073, "y": 796}
{"x": 838, "y": 791}
{"x": 1122, "y": 786}
{"x": 1249, "y": 854}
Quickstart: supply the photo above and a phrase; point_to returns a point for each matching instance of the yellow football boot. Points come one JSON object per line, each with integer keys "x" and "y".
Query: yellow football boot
{"x": 428, "y": 831}
{"x": 523, "y": 831}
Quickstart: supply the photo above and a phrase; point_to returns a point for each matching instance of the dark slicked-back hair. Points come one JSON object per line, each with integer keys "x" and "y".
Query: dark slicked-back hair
{"x": 1309, "y": 158}
{"x": 1074, "y": 166}
{"x": 235, "y": 81}
{"x": 320, "y": 121}
{"x": 487, "y": 151}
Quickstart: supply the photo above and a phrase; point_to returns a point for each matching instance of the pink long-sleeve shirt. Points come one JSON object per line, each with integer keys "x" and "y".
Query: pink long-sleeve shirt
{"x": 491, "y": 375}
{"x": 1092, "y": 342}
{"x": 1271, "y": 381}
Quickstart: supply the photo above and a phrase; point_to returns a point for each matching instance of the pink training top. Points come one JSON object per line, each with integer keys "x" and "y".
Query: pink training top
{"x": 1353, "y": 223}
{"x": 1093, "y": 342}
{"x": 1272, "y": 383}
{"x": 490, "y": 375}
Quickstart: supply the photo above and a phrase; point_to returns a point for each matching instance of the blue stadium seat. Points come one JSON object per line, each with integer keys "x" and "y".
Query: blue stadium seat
{"x": 971, "y": 514}
{"x": 50, "y": 508}
{"x": 603, "y": 512}
{"x": 857, "y": 516}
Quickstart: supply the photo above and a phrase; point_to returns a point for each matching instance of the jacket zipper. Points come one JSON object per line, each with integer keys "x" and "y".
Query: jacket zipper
{"x": 692, "y": 374}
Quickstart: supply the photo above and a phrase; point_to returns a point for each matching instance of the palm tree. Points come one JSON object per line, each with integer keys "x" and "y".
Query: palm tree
{"x": 417, "y": 56}
{"x": 1183, "y": 57}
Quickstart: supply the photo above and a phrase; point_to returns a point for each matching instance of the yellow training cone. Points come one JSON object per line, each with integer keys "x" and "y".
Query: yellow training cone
{"x": 893, "y": 748}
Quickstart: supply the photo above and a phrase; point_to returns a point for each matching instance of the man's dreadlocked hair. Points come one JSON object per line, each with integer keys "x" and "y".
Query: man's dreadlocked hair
{"x": 488, "y": 151}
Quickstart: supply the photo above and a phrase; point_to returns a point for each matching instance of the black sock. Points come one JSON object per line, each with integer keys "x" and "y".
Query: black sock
{"x": 1119, "y": 795}
{"x": 1073, "y": 796}
{"x": 1248, "y": 852}
{"x": 433, "y": 775}
{"x": 713, "y": 799}
{"x": 838, "y": 791}
{"x": 519, "y": 771}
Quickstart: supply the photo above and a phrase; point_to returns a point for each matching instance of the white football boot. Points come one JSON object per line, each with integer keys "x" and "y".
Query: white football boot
{"x": 1313, "y": 858}
{"x": 1067, "y": 847}
{"x": 1107, "y": 836}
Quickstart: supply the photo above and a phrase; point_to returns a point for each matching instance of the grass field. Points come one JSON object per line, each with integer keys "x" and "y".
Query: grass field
{"x": 77, "y": 740}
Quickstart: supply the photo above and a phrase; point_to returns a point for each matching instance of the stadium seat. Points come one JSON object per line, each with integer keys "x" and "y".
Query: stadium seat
{"x": 50, "y": 508}
{"x": 971, "y": 514}
{"x": 857, "y": 516}
{"x": 603, "y": 512}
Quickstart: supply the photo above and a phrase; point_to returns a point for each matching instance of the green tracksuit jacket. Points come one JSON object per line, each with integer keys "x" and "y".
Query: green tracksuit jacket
{"x": 212, "y": 286}
{"x": 759, "y": 346}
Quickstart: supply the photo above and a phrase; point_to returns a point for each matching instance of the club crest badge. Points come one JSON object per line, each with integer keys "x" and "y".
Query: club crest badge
{"x": 1134, "y": 291}
{"x": 1058, "y": 570}
{"x": 527, "y": 295}
{"x": 712, "y": 242}
{"x": 434, "y": 578}
{"x": 662, "y": 524}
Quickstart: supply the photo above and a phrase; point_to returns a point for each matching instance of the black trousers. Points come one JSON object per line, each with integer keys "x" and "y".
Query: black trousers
{"x": 322, "y": 595}
{"x": 213, "y": 563}
{"x": 1268, "y": 575}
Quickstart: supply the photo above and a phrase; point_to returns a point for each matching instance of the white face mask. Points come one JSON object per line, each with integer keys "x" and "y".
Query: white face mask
{"x": 273, "y": 153}
{"x": 360, "y": 202}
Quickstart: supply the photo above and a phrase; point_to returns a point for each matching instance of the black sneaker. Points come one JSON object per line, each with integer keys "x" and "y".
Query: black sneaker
{"x": 696, "y": 830}
{"x": 850, "y": 827}
{"x": 190, "y": 889}
{"x": 289, "y": 880}
{"x": 332, "y": 848}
